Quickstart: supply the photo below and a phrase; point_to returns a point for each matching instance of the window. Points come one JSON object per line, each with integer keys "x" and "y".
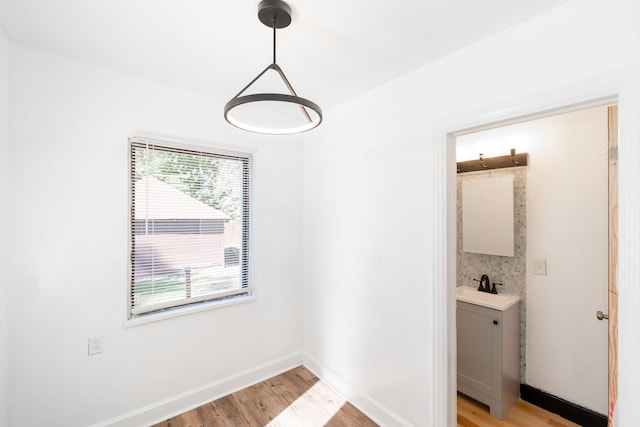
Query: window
{"x": 190, "y": 226}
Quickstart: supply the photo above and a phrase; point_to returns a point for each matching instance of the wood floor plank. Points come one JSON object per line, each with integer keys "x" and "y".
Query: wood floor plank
{"x": 523, "y": 414}
{"x": 290, "y": 385}
{"x": 350, "y": 416}
{"x": 314, "y": 407}
{"x": 296, "y": 398}
{"x": 260, "y": 404}
{"x": 301, "y": 378}
{"x": 224, "y": 412}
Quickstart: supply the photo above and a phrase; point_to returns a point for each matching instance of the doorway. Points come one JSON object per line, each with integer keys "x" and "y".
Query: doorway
{"x": 600, "y": 90}
{"x": 566, "y": 208}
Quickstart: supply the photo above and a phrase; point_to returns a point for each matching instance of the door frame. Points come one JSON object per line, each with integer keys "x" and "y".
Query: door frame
{"x": 622, "y": 88}
{"x": 612, "y": 291}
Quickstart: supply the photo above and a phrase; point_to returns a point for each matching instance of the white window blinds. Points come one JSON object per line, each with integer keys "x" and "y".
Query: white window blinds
{"x": 190, "y": 224}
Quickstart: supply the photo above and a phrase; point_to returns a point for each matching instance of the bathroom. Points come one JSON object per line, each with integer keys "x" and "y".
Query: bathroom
{"x": 559, "y": 268}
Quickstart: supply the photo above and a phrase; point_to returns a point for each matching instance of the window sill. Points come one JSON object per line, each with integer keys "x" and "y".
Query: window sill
{"x": 185, "y": 310}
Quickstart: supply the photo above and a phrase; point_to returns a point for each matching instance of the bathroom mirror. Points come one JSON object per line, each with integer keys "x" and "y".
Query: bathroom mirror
{"x": 487, "y": 216}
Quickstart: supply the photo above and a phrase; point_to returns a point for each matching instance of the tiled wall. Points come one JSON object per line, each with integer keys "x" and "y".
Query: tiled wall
{"x": 510, "y": 271}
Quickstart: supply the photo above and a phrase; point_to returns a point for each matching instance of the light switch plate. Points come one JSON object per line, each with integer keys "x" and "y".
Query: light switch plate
{"x": 540, "y": 267}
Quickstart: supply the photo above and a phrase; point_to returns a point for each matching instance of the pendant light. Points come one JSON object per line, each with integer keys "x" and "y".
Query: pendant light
{"x": 273, "y": 113}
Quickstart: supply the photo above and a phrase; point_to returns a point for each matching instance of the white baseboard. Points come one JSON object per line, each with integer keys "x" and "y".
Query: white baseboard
{"x": 188, "y": 400}
{"x": 369, "y": 406}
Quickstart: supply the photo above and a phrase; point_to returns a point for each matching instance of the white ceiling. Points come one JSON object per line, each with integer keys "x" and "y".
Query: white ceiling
{"x": 333, "y": 50}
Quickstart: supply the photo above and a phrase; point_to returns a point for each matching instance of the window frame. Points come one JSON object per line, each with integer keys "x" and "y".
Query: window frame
{"x": 246, "y": 246}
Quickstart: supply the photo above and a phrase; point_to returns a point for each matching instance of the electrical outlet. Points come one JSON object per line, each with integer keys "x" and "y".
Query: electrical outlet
{"x": 95, "y": 345}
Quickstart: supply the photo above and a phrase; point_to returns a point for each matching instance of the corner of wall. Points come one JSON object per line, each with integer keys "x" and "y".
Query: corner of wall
{"x": 365, "y": 403}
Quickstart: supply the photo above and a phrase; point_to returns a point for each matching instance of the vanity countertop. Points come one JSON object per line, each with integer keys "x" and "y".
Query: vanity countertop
{"x": 499, "y": 302}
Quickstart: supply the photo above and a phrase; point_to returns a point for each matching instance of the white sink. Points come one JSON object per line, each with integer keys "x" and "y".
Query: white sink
{"x": 494, "y": 301}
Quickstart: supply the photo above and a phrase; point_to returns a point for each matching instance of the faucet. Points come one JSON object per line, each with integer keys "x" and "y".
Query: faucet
{"x": 484, "y": 284}
{"x": 485, "y": 279}
{"x": 494, "y": 290}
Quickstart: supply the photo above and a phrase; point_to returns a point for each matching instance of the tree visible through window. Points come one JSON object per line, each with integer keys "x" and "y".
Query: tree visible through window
{"x": 189, "y": 226}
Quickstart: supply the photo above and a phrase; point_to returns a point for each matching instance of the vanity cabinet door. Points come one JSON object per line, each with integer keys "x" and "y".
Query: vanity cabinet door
{"x": 479, "y": 337}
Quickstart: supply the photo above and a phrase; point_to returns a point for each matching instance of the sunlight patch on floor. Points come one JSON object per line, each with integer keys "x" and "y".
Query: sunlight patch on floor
{"x": 315, "y": 407}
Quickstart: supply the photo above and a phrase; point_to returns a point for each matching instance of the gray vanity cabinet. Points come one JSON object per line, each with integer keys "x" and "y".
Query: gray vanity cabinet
{"x": 489, "y": 355}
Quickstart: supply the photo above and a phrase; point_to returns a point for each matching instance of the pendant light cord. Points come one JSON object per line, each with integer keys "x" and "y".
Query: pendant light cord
{"x": 274, "y": 40}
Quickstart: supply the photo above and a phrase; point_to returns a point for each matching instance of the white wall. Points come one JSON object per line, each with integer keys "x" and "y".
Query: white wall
{"x": 368, "y": 287}
{"x": 4, "y": 245}
{"x": 69, "y": 166}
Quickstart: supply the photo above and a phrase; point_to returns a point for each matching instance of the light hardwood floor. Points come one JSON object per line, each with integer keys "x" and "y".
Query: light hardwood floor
{"x": 296, "y": 398}
{"x": 523, "y": 414}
